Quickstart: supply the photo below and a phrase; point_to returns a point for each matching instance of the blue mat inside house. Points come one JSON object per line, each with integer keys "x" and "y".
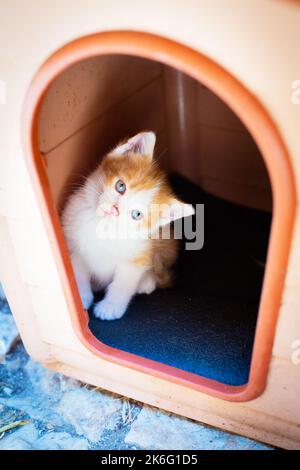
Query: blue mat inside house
{"x": 205, "y": 323}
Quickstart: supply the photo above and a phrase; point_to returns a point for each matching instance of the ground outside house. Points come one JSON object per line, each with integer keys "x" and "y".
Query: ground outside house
{"x": 42, "y": 410}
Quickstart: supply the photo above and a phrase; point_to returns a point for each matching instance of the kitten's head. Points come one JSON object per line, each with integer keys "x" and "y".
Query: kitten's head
{"x": 135, "y": 195}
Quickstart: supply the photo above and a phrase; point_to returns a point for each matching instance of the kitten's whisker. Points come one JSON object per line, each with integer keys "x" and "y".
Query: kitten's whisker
{"x": 160, "y": 155}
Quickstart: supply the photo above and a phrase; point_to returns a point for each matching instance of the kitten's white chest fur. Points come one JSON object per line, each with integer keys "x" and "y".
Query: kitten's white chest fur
{"x": 102, "y": 257}
{"x": 104, "y": 263}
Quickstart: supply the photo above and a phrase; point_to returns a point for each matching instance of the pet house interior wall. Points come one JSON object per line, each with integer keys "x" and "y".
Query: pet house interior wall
{"x": 96, "y": 102}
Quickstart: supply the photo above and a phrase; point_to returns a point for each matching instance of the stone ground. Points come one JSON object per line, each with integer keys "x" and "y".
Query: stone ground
{"x": 62, "y": 413}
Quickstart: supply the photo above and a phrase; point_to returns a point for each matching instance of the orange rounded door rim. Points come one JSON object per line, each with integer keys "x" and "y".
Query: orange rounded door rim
{"x": 264, "y": 132}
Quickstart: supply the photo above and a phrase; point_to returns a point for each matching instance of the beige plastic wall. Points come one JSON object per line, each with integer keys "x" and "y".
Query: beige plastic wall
{"x": 256, "y": 40}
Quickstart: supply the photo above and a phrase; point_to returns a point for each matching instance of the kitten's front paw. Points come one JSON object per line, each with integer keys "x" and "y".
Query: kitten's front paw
{"x": 106, "y": 310}
{"x": 87, "y": 299}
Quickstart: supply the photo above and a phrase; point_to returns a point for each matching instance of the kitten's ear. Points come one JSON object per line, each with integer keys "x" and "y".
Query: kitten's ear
{"x": 173, "y": 211}
{"x": 142, "y": 143}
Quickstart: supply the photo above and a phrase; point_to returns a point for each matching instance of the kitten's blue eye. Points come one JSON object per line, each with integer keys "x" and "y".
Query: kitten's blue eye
{"x": 120, "y": 187}
{"x": 136, "y": 215}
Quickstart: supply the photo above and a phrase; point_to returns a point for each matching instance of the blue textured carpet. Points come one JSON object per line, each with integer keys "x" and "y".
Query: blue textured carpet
{"x": 205, "y": 323}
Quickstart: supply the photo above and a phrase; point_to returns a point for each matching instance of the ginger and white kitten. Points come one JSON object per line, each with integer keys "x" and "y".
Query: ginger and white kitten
{"x": 118, "y": 198}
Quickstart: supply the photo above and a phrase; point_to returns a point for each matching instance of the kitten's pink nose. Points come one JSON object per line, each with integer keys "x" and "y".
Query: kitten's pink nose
{"x": 113, "y": 210}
